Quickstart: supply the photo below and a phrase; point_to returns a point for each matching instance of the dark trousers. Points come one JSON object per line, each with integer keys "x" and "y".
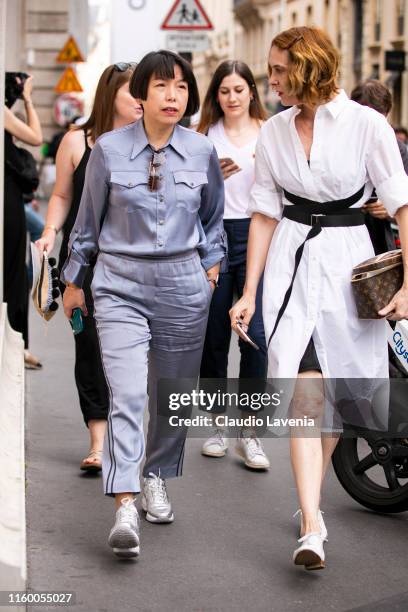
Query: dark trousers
{"x": 214, "y": 362}
{"x": 89, "y": 375}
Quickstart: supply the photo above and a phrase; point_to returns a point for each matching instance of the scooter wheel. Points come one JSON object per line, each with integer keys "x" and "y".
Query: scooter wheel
{"x": 374, "y": 472}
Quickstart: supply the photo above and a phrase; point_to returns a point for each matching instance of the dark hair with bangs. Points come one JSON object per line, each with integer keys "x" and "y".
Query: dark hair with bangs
{"x": 160, "y": 64}
{"x": 211, "y": 111}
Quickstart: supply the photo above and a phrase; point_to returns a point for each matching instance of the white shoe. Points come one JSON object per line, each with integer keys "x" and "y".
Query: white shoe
{"x": 323, "y": 530}
{"x": 155, "y": 501}
{"x": 249, "y": 447}
{"x": 310, "y": 552}
{"x": 216, "y": 445}
{"x": 124, "y": 535}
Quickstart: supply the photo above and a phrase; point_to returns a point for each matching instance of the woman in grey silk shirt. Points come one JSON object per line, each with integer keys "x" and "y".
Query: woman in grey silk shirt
{"x": 152, "y": 207}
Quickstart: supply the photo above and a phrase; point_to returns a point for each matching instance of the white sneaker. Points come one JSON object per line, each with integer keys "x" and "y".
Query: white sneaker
{"x": 310, "y": 552}
{"x": 216, "y": 445}
{"x": 323, "y": 530}
{"x": 155, "y": 501}
{"x": 124, "y": 535}
{"x": 249, "y": 447}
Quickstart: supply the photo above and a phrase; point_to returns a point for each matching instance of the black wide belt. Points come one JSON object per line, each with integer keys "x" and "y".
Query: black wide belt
{"x": 317, "y": 215}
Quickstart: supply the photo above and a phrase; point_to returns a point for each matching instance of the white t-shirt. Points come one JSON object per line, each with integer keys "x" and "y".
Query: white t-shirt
{"x": 238, "y": 186}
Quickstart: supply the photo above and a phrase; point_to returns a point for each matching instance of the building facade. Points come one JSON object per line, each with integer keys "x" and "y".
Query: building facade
{"x": 222, "y": 41}
{"x": 384, "y": 29}
{"x": 258, "y": 21}
{"x": 362, "y": 30}
{"x": 36, "y": 30}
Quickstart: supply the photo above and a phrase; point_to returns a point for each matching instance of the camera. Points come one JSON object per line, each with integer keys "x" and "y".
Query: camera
{"x": 14, "y": 86}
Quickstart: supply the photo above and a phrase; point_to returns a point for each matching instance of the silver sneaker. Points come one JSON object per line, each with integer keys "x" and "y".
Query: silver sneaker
{"x": 124, "y": 535}
{"x": 155, "y": 501}
{"x": 216, "y": 445}
{"x": 249, "y": 447}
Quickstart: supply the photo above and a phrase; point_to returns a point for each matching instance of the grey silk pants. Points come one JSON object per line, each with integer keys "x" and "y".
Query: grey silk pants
{"x": 151, "y": 316}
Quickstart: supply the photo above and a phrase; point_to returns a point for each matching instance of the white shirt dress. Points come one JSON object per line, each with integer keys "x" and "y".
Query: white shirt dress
{"x": 353, "y": 145}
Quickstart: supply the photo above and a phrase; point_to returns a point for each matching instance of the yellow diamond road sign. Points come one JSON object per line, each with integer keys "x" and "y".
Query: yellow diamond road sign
{"x": 68, "y": 82}
{"x": 70, "y": 53}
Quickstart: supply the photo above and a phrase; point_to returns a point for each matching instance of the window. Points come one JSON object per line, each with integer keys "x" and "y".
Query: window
{"x": 294, "y": 19}
{"x": 326, "y": 13}
{"x": 375, "y": 71}
{"x": 377, "y": 19}
{"x": 400, "y": 10}
{"x": 309, "y": 15}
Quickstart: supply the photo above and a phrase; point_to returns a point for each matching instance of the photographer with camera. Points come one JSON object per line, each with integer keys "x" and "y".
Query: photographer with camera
{"x": 20, "y": 177}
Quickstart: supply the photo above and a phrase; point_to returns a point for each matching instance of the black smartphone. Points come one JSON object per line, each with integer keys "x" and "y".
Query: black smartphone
{"x": 226, "y": 161}
{"x": 242, "y": 334}
{"x": 371, "y": 200}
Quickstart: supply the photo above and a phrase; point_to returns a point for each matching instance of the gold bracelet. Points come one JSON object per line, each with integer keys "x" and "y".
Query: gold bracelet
{"x": 51, "y": 227}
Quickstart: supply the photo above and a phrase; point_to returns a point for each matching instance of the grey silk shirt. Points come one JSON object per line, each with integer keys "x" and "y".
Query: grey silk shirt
{"x": 120, "y": 216}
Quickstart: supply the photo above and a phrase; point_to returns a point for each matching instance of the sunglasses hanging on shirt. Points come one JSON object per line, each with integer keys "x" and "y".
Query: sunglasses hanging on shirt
{"x": 158, "y": 159}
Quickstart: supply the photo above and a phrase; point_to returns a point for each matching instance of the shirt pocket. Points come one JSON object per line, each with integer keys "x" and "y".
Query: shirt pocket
{"x": 189, "y": 184}
{"x": 129, "y": 190}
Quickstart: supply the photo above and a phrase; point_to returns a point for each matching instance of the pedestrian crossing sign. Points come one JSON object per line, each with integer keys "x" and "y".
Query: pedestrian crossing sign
{"x": 68, "y": 82}
{"x": 187, "y": 15}
{"x": 70, "y": 53}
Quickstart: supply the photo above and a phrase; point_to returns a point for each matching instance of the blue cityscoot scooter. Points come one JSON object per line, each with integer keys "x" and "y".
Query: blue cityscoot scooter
{"x": 372, "y": 466}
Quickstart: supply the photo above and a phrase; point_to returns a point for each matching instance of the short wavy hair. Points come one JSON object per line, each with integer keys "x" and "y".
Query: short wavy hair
{"x": 314, "y": 64}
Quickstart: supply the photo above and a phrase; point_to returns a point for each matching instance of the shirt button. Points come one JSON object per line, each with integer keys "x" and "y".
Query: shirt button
{"x": 192, "y": 184}
{"x": 130, "y": 184}
{"x": 161, "y": 222}
{"x": 160, "y": 243}
{"x": 161, "y": 198}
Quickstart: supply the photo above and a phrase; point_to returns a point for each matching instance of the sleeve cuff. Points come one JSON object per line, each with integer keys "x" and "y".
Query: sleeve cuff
{"x": 216, "y": 256}
{"x": 74, "y": 271}
{"x": 393, "y": 192}
{"x": 268, "y": 204}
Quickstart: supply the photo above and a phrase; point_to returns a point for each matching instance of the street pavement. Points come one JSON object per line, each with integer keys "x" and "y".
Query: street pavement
{"x": 230, "y": 546}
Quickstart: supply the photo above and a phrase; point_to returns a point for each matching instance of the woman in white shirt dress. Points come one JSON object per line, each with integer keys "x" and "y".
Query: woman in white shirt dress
{"x": 324, "y": 149}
